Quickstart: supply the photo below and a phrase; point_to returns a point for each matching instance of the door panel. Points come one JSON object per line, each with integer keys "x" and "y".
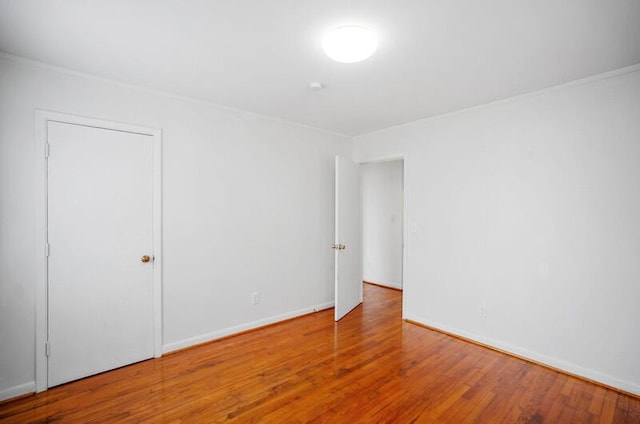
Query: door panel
{"x": 100, "y": 224}
{"x": 348, "y": 255}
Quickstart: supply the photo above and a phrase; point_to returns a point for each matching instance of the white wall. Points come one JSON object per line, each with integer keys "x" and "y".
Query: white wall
{"x": 248, "y": 206}
{"x": 531, "y": 208}
{"x": 382, "y": 214}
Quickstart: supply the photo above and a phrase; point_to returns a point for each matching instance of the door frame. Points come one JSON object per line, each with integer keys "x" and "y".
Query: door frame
{"x": 42, "y": 118}
{"x": 405, "y": 217}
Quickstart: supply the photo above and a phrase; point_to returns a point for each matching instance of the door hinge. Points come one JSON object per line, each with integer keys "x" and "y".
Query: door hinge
{"x": 47, "y": 348}
{"x": 46, "y": 249}
{"x": 46, "y": 150}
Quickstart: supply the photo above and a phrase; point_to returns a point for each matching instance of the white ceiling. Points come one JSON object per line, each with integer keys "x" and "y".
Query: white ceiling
{"x": 434, "y": 56}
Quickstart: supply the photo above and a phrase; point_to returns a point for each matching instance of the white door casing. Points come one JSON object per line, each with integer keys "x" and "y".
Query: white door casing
{"x": 405, "y": 221}
{"x": 348, "y": 237}
{"x": 98, "y": 305}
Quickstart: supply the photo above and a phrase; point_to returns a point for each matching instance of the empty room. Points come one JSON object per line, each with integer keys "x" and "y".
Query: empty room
{"x": 338, "y": 211}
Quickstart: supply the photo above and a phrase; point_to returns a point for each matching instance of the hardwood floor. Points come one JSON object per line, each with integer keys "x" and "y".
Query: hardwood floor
{"x": 371, "y": 367}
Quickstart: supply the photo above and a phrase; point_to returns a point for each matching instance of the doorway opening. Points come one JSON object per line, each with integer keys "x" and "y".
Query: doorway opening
{"x": 383, "y": 223}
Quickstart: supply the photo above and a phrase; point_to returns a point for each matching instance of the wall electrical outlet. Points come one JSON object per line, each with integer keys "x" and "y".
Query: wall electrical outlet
{"x": 255, "y": 298}
{"x": 482, "y": 311}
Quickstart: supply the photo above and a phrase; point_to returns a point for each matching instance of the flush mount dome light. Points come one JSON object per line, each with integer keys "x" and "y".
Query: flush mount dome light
{"x": 350, "y": 43}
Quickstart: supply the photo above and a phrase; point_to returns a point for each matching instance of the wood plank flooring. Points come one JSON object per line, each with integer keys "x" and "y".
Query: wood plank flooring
{"x": 371, "y": 367}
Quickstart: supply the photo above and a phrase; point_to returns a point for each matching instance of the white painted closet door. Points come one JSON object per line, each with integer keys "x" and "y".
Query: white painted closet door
{"x": 100, "y": 306}
{"x": 348, "y": 254}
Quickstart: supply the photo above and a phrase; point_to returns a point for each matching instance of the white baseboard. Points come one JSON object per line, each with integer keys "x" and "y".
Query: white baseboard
{"x": 569, "y": 367}
{"x": 19, "y": 390}
{"x": 384, "y": 284}
{"x": 243, "y": 327}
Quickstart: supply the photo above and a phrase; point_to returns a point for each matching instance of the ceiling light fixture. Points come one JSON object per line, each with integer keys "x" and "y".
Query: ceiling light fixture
{"x": 350, "y": 43}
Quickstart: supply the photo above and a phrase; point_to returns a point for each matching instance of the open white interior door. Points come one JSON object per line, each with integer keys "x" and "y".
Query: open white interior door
{"x": 348, "y": 254}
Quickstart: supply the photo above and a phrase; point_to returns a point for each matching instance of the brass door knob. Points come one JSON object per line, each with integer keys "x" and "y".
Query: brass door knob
{"x": 145, "y": 258}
